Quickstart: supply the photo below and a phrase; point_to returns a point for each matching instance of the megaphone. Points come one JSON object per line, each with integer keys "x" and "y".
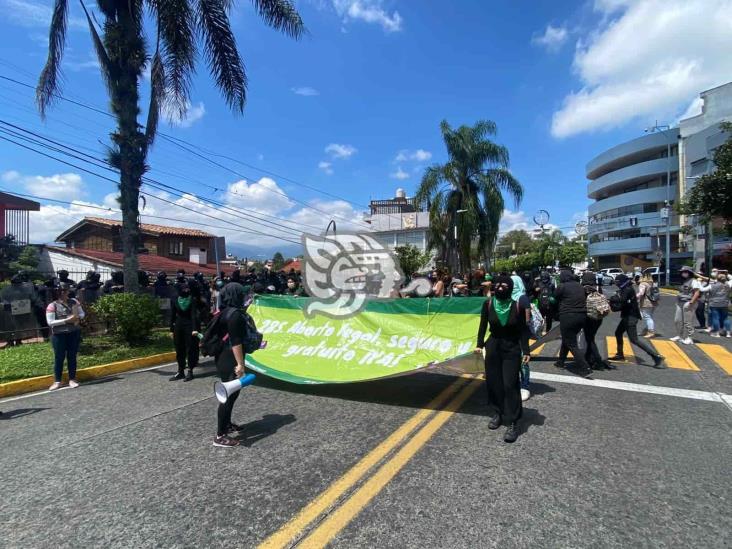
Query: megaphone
{"x": 224, "y": 390}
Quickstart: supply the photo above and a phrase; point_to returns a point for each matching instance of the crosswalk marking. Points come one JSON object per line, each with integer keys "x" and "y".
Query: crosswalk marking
{"x": 612, "y": 348}
{"x": 718, "y": 354}
{"x": 675, "y": 357}
{"x": 537, "y": 351}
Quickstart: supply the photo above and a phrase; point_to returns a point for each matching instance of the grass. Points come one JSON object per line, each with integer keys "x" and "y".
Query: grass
{"x": 36, "y": 359}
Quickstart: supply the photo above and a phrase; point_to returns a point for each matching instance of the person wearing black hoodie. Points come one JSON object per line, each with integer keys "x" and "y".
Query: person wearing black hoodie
{"x": 570, "y": 296}
{"x": 545, "y": 295}
{"x": 592, "y": 325}
{"x": 629, "y": 317}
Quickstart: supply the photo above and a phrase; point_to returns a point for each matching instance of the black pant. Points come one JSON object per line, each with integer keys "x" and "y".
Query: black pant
{"x": 548, "y": 317}
{"x": 502, "y": 366}
{"x": 225, "y": 364}
{"x": 570, "y": 325}
{"x": 700, "y": 316}
{"x": 592, "y": 354}
{"x": 629, "y": 324}
{"x": 186, "y": 346}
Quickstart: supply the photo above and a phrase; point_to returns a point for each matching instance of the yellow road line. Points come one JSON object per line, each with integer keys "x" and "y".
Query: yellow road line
{"x": 675, "y": 357}
{"x": 285, "y": 535}
{"x": 612, "y": 348}
{"x": 721, "y": 356}
{"x": 340, "y": 518}
{"x": 537, "y": 351}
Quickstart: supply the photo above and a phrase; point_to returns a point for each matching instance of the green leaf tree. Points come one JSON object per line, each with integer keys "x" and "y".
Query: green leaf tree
{"x": 411, "y": 258}
{"x": 181, "y": 28}
{"x": 473, "y": 179}
{"x": 549, "y": 246}
{"x": 9, "y": 252}
{"x": 516, "y": 242}
{"x": 27, "y": 261}
{"x": 571, "y": 253}
{"x": 278, "y": 260}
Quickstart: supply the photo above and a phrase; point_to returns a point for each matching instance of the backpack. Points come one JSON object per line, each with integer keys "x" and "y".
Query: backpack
{"x": 616, "y": 303}
{"x": 654, "y": 294}
{"x": 598, "y": 306}
{"x": 545, "y": 297}
{"x": 253, "y": 339}
{"x": 536, "y": 322}
{"x": 213, "y": 341}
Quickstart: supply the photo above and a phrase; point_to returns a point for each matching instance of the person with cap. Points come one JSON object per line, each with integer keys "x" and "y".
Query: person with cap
{"x": 230, "y": 361}
{"x": 572, "y": 309}
{"x": 630, "y": 315}
{"x": 719, "y": 306}
{"x": 686, "y": 304}
{"x": 506, "y": 350}
{"x": 63, "y": 315}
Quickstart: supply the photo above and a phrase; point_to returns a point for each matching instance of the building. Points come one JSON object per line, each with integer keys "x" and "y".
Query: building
{"x": 177, "y": 243}
{"x": 398, "y": 221}
{"x": 15, "y": 218}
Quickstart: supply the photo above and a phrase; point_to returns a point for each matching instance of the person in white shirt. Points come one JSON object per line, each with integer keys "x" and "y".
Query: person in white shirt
{"x": 63, "y": 315}
{"x": 686, "y": 304}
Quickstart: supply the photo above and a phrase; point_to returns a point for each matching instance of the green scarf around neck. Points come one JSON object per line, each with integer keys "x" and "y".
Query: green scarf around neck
{"x": 184, "y": 303}
{"x": 502, "y": 307}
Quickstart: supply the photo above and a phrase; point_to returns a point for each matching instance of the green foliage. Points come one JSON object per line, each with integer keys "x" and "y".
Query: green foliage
{"x": 36, "y": 359}
{"x": 411, "y": 259}
{"x": 278, "y": 260}
{"x": 27, "y": 261}
{"x": 711, "y": 195}
{"x": 549, "y": 245}
{"x": 571, "y": 253}
{"x": 516, "y": 242}
{"x": 525, "y": 262}
{"x": 132, "y": 317}
{"x": 9, "y": 252}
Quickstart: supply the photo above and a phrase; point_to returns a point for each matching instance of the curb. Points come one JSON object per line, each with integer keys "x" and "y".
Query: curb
{"x": 40, "y": 383}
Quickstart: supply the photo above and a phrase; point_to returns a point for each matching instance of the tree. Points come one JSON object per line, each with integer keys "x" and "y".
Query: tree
{"x": 516, "y": 242}
{"x": 278, "y": 261}
{"x": 572, "y": 253}
{"x": 549, "y": 246}
{"x": 9, "y": 252}
{"x": 473, "y": 180}
{"x": 122, "y": 50}
{"x": 411, "y": 259}
{"x": 711, "y": 196}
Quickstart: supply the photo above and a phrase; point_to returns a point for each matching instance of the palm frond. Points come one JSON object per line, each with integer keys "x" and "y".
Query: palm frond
{"x": 48, "y": 83}
{"x": 431, "y": 180}
{"x": 282, "y": 16}
{"x": 157, "y": 97}
{"x": 221, "y": 53}
{"x": 504, "y": 180}
{"x": 106, "y": 66}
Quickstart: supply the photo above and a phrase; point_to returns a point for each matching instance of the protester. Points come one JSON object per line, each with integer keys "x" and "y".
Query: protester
{"x": 545, "y": 295}
{"x": 718, "y": 297}
{"x": 116, "y": 284}
{"x": 705, "y": 285}
{"x": 518, "y": 294}
{"x": 506, "y": 350}
{"x": 63, "y": 315}
{"x": 570, "y": 296}
{"x": 186, "y": 318}
{"x": 686, "y": 304}
{"x": 597, "y": 308}
{"x": 647, "y": 307}
{"x": 293, "y": 288}
{"x": 629, "y": 316}
{"x": 230, "y": 362}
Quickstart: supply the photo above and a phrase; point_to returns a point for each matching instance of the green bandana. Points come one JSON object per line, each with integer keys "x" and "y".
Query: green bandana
{"x": 502, "y": 309}
{"x": 184, "y": 303}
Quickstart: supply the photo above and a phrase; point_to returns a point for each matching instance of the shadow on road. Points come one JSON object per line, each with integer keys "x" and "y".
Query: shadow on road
{"x": 531, "y": 417}
{"x": 255, "y": 431}
{"x": 20, "y": 412}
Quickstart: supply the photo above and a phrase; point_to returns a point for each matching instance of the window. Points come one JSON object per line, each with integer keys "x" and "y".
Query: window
{"x": 175, "y": 247}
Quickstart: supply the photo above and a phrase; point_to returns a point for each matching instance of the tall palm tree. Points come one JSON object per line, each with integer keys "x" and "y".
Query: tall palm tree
{"x": 473, "y": 179}
{"x": 181, "y": 28}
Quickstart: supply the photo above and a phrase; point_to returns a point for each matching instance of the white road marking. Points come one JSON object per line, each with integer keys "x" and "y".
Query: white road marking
{"x": 636, "y": 387}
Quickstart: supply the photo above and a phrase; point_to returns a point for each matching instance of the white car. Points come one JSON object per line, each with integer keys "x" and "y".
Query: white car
{"x": 612, "y": 272}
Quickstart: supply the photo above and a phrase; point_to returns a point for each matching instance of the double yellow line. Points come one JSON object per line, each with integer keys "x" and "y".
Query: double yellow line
{"x": 339, "y": 504}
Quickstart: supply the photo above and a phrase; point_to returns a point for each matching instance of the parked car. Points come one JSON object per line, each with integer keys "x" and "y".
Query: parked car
{"x": 612, "y": 272}
{"x": 654, "y": 272}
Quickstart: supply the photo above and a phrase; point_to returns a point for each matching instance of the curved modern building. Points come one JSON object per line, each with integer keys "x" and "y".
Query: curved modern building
{"x": 630, "y": 185}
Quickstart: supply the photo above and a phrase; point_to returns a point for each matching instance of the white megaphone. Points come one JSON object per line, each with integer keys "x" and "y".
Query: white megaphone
{"x": 224, "y": 390}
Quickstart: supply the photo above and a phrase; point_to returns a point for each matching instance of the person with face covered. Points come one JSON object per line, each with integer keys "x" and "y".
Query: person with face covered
{"x": 686, "y": 304}
{"x": 230, "y": 362}
{"x": 572, "y": 300}
{"x": 506, "y": 350}
{"x": 185, "y": 323}
{"x": 545, "y": 295}
{"x": 293, "y": 288}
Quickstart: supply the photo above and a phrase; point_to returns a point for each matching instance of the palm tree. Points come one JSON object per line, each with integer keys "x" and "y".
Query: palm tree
{"x": 122, "y": 49}
{"x": 549, "y": 245}
{"x": 472, "y": 180}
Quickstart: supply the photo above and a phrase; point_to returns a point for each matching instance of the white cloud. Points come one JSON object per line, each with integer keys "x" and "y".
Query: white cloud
{"x": 512, "y": 220}
{"x": 30, "y": 13}
{"x": 264, "y": 196}
{"x": 327, "y": 167}
{"x": 306, "y": 91}
{"x": 646, "y": 60}
{"x": 399, "y": 174}
{"x": 552, "y": 39}
{"x": 193, "y": 115}
{"x": 340, "y": 151}
{"x": 420, "y": 155}
{"x": 64, "y": 186}
{"x": 368, "y": 11}
{"x": 694, "y": 109}
{"x": 9, "y": 176}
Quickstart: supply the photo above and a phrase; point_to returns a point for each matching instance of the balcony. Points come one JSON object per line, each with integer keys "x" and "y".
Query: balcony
{"x": 644, "y": 196}
{"x": 643, "y": 244}
{"x": 616, "y": 180}
{"x": 627, "y": 153}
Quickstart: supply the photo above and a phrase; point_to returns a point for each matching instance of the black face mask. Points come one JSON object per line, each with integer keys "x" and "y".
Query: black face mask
{"x": 503, "y": 293}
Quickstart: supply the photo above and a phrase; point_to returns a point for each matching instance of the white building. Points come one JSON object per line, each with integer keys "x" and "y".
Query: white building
{"x": 398, "y": 221}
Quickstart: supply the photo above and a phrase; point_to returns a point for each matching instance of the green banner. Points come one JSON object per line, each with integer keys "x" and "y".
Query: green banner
{"x": 390, "y": 337}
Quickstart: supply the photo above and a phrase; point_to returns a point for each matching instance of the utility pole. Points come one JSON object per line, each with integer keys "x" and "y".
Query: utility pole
{"x": 667, "y": 208}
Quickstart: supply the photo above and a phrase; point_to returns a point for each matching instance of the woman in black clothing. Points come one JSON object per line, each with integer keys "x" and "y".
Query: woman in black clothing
{"x": 592, "y": 325}
{"x": 230, "y": 362}
{"x": 570, "y": 296}
{"x": 186, "y": 317}
{"x": 505, "y": 350}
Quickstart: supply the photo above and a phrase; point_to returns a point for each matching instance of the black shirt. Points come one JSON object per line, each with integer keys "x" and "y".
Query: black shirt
{"x": 515, "y": 329}
{"x": 571, "y": 297}
{"x": 629, "y": 302}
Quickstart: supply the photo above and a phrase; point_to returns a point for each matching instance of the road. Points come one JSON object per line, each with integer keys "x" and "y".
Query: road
{"x": 637, "y": 457}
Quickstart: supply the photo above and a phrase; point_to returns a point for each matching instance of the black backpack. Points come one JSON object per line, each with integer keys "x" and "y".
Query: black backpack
{"x": 214, "y": 339}
{"x": 616, "y": 303}
{"x": 253, "y": 339}
{"x": 545, "y": 297}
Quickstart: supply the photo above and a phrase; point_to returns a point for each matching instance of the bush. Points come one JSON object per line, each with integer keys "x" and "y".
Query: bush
{"x": 131, "y": 316}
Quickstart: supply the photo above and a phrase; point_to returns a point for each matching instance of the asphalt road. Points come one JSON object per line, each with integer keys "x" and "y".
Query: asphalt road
{"x": 636, "y": 458}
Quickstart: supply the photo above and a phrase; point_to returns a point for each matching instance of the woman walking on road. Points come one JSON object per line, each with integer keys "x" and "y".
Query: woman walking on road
{"x": 506, "y": 350}
{"x": 63, "y": 315}
{"x": 686, "y": 304}
{"x": 570, "y": 296}
{"x": 647, "y": 307}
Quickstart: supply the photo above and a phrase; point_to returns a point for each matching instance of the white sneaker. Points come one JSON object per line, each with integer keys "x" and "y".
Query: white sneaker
{"x": 73, "y": 383}
{"x": 525, "y": 395}
{"x": 56, "y": 385}
{"x": 714, "y": 335}
{"x": 687, "y": 341}
{"x": 675, "y": 338}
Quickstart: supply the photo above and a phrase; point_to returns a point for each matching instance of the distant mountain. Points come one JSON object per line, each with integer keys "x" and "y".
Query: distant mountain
{"x": 252, "y": 252}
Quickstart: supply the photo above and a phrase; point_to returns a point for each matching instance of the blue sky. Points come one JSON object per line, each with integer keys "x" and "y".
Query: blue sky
{"x": 353, "y": 109}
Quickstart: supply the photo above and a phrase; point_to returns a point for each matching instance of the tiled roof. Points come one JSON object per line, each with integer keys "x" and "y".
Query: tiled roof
{"x": 150, "y": 263}
{"x": 294, "y": 264}
{"x": 154, "y": 229}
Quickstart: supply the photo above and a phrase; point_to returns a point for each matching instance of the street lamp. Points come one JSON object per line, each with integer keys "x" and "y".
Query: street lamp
{"x": 455, "y": 235}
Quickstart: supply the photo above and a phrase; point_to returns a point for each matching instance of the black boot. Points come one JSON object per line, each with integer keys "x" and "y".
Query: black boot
{"x": 177, "y": 376}
{"x": 559, "y": 364}
{"x": 494, "y": 423}
{"x": 512, "y": 433}
{"x": 189, "y": 375}
{"x": 618, "y": 357}
{"x": 658, "y": 362}
{"x": 609, "y": 366}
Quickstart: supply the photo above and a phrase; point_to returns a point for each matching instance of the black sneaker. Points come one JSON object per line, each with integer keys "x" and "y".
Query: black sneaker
{"x": 512, "y": 433}
{"x": 222, "y": 441}
{"x": 189, "y": 375}
{"x": 234, "y": 428}
{"x": 177, "y": 376}
{"x": 586, "y": 372}
{"x": 494, "y": 423}
{"x": 559, "y": 364}
{"x": 609, "y": 366}
{"x": 658, "y": 362}
{"x": 617, "y": 358}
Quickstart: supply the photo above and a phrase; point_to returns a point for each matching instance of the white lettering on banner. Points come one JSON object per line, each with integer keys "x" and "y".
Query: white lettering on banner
{"x": 302, "y": 327}
{"x": 273, "y": 326}
{"x": 414, "y": 344}
{"x": 331, "y": 353}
